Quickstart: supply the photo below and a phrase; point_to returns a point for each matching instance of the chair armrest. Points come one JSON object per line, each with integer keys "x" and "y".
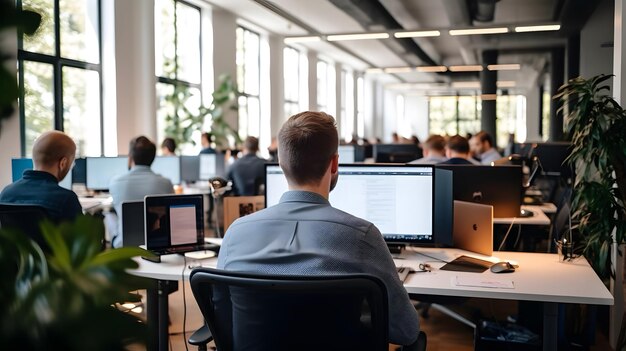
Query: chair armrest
{"x": 201, "y": 336}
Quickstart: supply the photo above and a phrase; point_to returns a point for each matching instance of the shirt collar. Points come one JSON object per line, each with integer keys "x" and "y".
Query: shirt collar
{"x": 32, "y": 174}
{"x": 303, "y": 196}
{"x": 140, "y": 168}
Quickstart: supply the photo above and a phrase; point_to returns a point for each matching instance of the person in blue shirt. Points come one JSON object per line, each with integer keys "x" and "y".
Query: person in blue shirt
{"x": 53, "y": 157}
{"x": 205, "y": 141}
{"x": 304, "y": 235}
{"x": 248, "y": 172}
{"x": 458, "y": 152}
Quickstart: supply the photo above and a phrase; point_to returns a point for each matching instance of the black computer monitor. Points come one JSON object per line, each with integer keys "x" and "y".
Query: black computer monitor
{"x": 100, "y": 171}
{"x": 552, "y": 157}
{"x": 19, "y": 165}
{"x": 498, "y": 186}
{"x": 398, "y": 199}
{"x": 396, "y": 153}
{"x": 79, "y": 172}
{"x": 168, "y": 167}
{"x": 347, "y": 153}
{"x": 190, "y": 168}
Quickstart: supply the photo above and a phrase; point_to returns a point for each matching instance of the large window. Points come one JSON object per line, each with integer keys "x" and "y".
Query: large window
{"x": 178, "y": 64}
{"x": 291, "y": 61}
{"x": 360, "y": 107}
{"x": 511, "y": 118}
{"x": 326, "y": 87}
{"x": 346, "y": 114}
{"x": 59, "y": 74}
{"x": 450, "y": 115}
{"x": 248, "y": 82}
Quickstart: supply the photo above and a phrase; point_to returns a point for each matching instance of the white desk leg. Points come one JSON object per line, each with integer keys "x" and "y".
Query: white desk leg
{"x": 550, "y": 325}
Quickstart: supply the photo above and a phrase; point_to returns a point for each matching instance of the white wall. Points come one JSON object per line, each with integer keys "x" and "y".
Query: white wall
{"x": 224, "y": 53}
{"x": 277, "y": 84}
{"x": 389, "y": 116}
{"x": 594, "y": 58}
{"x": 416, "y": 111}
{"x": 10, "y": 134}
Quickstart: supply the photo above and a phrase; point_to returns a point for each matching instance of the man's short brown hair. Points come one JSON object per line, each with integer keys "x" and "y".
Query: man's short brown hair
{"x": 251, "y": 144}
{"x": 142, "y": 151}
{"x": 307, "y": 143}
{"x": 435, "y": 142}
{"x": 459, "y": 144}
{"x": 484, "y": 136}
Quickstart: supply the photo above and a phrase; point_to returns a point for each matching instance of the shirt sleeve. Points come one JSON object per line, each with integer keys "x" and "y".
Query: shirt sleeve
{"x": 376, "y": 260}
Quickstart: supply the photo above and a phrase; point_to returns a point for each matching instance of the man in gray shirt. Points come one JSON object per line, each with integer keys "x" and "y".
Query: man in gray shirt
{"x": 434, "y": 151}
{"x": 305, "y": 235}
{"x": 136, "y": 184}
{"x": 482, "y": 142}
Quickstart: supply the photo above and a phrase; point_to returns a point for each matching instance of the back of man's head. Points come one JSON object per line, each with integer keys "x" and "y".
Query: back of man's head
{"x": 458, "y": 144}
{"x": 435, "y": 143}
{"x": 307, "y": 143}
{"x": 50, "y": 147}
{"x": 142, "y": 151}
{"x": 251, "y": 144}
{"x": 483, "y": 137}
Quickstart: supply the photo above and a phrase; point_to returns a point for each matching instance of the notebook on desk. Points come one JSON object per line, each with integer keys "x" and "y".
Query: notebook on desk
{"x": 175, "y": 224}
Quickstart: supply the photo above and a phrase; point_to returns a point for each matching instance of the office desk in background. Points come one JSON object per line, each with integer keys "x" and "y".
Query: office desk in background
{"x": 540, "y": 277}
{"x": 538, "y": 218}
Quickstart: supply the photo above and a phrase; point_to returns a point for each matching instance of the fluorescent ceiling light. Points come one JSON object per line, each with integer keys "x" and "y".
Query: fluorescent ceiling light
{"x": 398, "y": 70}
{"x": 418, "y": 34}
{"x": 505, "y": 83}
{"x": 476, "y": 31}
{"x": 542, "y": 28}
{"x": 374, "y": 70}
{"x": 432, "y": 69}
{"x": 504, "y": 67}
{"x": 340, "y": 37}
{"x": 466, "y": 85}
{"x": 466, "y": 68}
{"x": 488, "y": 97}
{"x": 292, "y": 40}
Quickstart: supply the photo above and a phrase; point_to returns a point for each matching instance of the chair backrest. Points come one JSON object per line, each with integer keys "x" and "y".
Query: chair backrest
{"x": 25, "y": 218}
{"x": 278, "y": 312}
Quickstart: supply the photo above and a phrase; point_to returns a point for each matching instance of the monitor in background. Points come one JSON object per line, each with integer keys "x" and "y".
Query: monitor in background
{"x": 189, "y": 168}
{"x": 398, "y": 199}
{"x": 19, "y": 165}
{"x": 396, "y": 153}
{"x": 168, "y": 167}
{"x": 133, "y": 230}
{"x": 100, "y": 171}
{"x": 79, "y": 172}
{"x": 173, "y": 221}
{"x": 552, "y": 157}
{"x": 347, "y": 153}
{"x": 498, "y": 186}
{"x": 211, "y": 165}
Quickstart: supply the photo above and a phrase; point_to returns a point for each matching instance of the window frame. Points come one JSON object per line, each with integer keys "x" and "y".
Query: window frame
{"x": 57, "y": 62}
{"x": 241, "y": 90}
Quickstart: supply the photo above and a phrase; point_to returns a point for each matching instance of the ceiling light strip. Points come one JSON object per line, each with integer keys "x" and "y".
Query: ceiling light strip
{"x": 541, "y": 28}
{"x": 418, "y": 34}
{"x": 364, "y": 36}
{"x": 466, "y": 68}
{"x": 432, "y": 69}
{"x": 478, "y": 31}
{"x": 504, "y": 67}
{"x": 398, "y": 70}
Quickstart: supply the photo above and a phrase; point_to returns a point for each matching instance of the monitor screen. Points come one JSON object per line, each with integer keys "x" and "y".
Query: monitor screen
{"x": 168, "y": 167}
{"x": 208, "y": 166}
{"x": 346, "y": 153}
{"x": 498, "y": 186}
{"x": 19, "y": 165}
{"x": 190, "y": 168}
{"x": 396, "y": 153}
{"x": 173, "y": 220}
{"x": 100, "y": 171}
{"x": 398, "y": 199}
{"x": 552, "y": 157}
{"x": 79, "y": 172}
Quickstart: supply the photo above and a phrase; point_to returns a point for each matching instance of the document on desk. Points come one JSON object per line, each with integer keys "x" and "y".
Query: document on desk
{"x": 482, "y": 282}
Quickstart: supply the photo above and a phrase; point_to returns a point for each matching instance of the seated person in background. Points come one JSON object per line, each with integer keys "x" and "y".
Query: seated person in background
{"x": 168, "y": 147}
{"x": 205, "y": 141}
{"x": 434, "y": 151}
{"x": 273, "y": 150}
{"x": 458, "y": 152}
{"x": 248, "y": 171}
{"x": 53, "y": 157}
{"x": 136, "y": 184}
{"x": 305, "y": 235}
{"x": 482, "y": 143}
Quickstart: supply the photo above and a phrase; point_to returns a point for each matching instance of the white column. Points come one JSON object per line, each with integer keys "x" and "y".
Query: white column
{"x": 533, "y": 116}
{"x": 224, "y": 53}
{"x": 278, "y": 83}
{"x": 135, "y": 73}
{"x": 312, "y": 56}
{"x": 10, "y": 134}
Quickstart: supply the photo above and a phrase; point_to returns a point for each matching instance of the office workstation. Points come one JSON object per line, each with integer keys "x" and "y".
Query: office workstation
{"x": 172, "y": 114}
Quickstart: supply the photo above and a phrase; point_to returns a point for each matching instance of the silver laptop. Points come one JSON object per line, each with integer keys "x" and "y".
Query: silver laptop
{"x": 473, "y": 227}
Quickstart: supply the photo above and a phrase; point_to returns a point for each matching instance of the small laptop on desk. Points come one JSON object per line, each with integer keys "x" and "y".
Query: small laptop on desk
{"x": 473, "y": 227}
{"x": 175, "y": 224}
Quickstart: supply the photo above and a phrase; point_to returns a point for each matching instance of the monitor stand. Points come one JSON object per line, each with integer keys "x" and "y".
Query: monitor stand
{"x": 395, "y": 248}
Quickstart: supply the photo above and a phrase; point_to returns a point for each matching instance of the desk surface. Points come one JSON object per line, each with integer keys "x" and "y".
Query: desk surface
{"x": 540, "y": 277}
{"x": 539, "y": 218}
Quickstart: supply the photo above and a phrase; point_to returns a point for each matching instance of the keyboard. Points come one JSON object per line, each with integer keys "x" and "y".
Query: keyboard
{"x": 403, "y": 272}
{"x": 186, "y": 248}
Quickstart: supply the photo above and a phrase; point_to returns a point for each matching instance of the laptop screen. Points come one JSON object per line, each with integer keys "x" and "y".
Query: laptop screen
{"x": 398, "y": 199}
{"x": 173, "y": 220}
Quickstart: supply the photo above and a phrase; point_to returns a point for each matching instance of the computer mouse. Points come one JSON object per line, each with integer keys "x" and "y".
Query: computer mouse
{"x": 502, "y": 267}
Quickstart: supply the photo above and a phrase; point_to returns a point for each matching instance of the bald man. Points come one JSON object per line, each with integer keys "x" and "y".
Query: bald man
{"x": 53, "y": 157}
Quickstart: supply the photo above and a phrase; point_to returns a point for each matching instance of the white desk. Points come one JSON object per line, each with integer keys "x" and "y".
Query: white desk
{"x": 540, "y": 277}
{"x": 93, "y": 203}
{"x": 538, "y": 218}
{"x": 546, "y": 207}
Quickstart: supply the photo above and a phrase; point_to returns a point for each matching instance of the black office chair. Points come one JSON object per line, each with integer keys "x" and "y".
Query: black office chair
{"x": 25, "y": 218}
{"x": 277, "y": 312}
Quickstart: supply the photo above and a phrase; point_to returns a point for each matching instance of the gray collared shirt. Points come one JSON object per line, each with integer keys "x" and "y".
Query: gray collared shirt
{"x": 303, "y": 234}
{"x": 489, "y": 156}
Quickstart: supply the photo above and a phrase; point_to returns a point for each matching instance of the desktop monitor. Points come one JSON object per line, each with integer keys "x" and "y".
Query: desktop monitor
{"x": 211, "y": 165}
{"x": 79, "y": 172}
{"x": 396, "y": 153}
{"x": 552, "y": 157}
{"x": 498, "y": 186}
{"x": 19, "y": 165}
{"x": 100, "y": 171}
{"x": 347, "y": 153}
{"x": 189, "y": 168}
{"x": 168, "y": 167}
{"x": 398, "y": 199}
{"x": 172, "y": 221}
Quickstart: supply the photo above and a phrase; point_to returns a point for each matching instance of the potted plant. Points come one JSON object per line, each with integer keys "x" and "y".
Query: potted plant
{"x": 63, "y": 300}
